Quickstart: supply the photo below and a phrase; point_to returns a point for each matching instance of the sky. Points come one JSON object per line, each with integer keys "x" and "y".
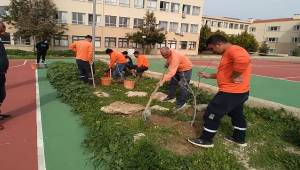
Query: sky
{"x": 258, "y": 9}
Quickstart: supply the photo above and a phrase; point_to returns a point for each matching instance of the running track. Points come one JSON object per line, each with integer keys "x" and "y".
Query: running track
{"x": 277, "y": 69}
{"x": 18, "y": 141}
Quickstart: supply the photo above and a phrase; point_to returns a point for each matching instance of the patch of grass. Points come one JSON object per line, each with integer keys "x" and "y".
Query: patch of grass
{"x": 110, "y": 138}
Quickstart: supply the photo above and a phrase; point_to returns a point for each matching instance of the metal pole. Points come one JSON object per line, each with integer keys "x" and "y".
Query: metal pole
{"x": 94, "y": 37}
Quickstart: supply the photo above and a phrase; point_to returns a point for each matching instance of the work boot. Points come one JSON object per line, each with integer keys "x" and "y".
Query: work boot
{"x": 201, "y": 143}
{"x": 232, "y": 140}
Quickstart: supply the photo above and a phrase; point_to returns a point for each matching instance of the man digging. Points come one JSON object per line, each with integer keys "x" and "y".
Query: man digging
{"x": 179, "y": 74}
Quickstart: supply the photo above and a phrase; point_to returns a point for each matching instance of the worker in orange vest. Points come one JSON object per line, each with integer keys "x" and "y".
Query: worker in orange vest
{"x": 84, "y": 50}
{"x": 141, "y": 66}
{"x": 117, "y": 62}
{"x": 179, "y": 74}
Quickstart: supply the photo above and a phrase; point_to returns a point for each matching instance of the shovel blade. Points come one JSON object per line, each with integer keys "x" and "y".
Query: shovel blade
{"x": 146, "y": 114}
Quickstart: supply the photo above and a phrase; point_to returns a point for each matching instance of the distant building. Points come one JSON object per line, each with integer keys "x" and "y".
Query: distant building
{"x": 180, "y": 20}
{"x": 282, "y": 35}
{"x": 231, "y": 26}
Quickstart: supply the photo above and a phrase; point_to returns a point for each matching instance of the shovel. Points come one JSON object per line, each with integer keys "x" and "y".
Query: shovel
{"x": 147, "y": 111}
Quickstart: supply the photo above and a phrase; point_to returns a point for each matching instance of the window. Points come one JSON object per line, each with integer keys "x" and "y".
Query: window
{"x": 296, "y": 39}
{"x": 172, "y": 44}
{"x": 135, "y": 45}
{"x": 97, "y": 42}
{"x": 207, "y": 22}
{"x": 137, "y": 23}
{"x": 241, "y": 26}
{"x": 274, "y": 28}
{"x": 192, "y": 45}
{"x": 219, "y": 24}
{"x": 124, "y": 3}
{"x": 164, "y": 6}
{"x": 272, "y": 50}
{"x": 98, "y": 19}
{"x": 61, "y": 17}
{"x": 252, "y": 29}
{"x": 214, "y": 23}
{"x": 236, "y": 26}
{"x": 151, "y": 4}
{"x": 5, "y": 38}
{"x": 194, "y": 28}
{"x": 111, "y": 2}
{"x": 164, "y": 44}
{"x": 246, "y": 27}
{"x": 231, "y": 25}
{"x": 175, "y": 7}
{"x": 186, "y": 9}
{"x": 196, "y": 10}
{"x": 183, "y": 44}
{"x": 110, "y": 20}
{"x": 124, "y": 22}
{"x": 110, "y": 42}
{"x": 77, "y": 38}
{"x": 173, "y": 27}
{"x": 77, "y": 18}
{"x": 225, "y": 25}
{"x": 139, "y": 3}
{"x": 163, "y": 25}
{"x": 3, "y": 11}
{"x": 272, "y": 39}
{"x": 61, "y": 41}
{"x": 22, "y": 40}
{"x": 184, "y": 27}
{"x": 123, "y": 43}
{"x": 296, "y": 27}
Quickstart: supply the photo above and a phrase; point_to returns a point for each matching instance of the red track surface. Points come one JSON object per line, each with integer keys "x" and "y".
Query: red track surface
{"x": 18, "y": 146}
{"x": 277, "y": 69}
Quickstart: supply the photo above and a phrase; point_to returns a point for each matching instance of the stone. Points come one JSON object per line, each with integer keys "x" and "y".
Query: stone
{"x": 138, "y": 136}
{"x": 201, "y": 107}
{"x": 161, "y": 96}
{"x": 136, "y": 94}
{"x": 159, "y": 108}
{"x": 119, "y": 107}
{"x": 101, "y": 94}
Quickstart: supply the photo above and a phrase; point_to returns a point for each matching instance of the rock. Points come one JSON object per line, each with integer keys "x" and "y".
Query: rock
{"x": 122, "y": 108}
{"x": 138, "y": 136}
{"x": 201, "y": 107}
{"x": 159, "y": 108}
{"x": 136, "y": 94}
{"x": 161, "y": 96}
{"x": 101, "y": 94}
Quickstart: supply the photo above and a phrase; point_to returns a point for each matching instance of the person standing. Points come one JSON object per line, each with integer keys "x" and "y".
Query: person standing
{"x": 233, "y": 77}
{"x": 41, "y": 48}
{"x": 4, "y": 63}
{"x": 84, "y": 51}
{"x": 179, "y": 74}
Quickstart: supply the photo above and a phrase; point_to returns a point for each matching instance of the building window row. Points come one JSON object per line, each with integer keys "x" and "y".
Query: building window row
{"x": 297, "y": 28}
{"x": 296, "y": 40}
{"x": 272, "y": 39}
{"x": 111, "y": 21}
{"x": 274, "y": 28}
{"x": 113, "y": 42}
{"x": 228, "y": 25}
{"x": 153, "y": 4}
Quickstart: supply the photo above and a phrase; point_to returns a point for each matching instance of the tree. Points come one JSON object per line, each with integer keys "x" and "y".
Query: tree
{"x": 245, "y": 40}
{"x": 204, "y": 35}
{"x": 264, "y": 48}
{"x": 34, "y": 18}
{"x": 148, "y": 33}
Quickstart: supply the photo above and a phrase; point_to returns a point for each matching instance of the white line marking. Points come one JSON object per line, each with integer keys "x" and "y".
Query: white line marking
{"x": 40, "y": 138}
{"x": 19, "y": 65}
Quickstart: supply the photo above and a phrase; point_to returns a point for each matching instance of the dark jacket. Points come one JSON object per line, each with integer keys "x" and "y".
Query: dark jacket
{"x": 42, "y": 47}
{"x": 3, "y": 59}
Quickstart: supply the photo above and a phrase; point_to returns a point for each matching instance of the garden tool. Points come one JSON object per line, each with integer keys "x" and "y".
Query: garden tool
{"x": 92, "y": 72}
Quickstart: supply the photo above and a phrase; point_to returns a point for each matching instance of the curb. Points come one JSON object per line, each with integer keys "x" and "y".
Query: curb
{"x": 252, "y": 101}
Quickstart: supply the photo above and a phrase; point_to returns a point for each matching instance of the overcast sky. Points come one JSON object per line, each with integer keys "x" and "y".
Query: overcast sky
{"x": 258, "y": 9}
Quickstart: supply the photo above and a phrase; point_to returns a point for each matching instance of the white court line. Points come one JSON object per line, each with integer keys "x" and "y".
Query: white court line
{"x": 275, "y": 78}
{"x": 19, "y": 65}
{"x": 40, "y": 138}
